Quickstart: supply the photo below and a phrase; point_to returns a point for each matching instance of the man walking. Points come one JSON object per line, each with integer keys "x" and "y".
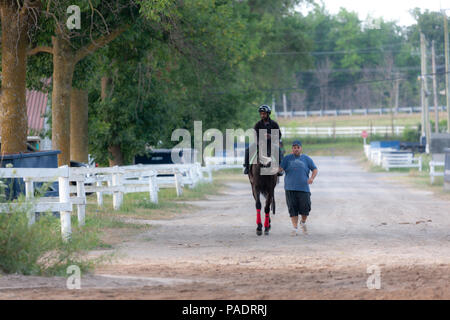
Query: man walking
{"x": 296, "y": 184}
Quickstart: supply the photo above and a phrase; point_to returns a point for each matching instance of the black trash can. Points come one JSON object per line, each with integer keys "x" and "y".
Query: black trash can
{"x": 447, "y": 170}
{"x": 41, "y": 159}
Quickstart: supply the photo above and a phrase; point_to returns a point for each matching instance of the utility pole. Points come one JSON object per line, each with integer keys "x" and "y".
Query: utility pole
{"x": 273, "y": 105}
{"x": 447, "y": 75}
{"x": 425, "y": 109}
{"x": 397, "y": 92}
{"x": 436, "y": 110}
{"x": 394, "y": 106}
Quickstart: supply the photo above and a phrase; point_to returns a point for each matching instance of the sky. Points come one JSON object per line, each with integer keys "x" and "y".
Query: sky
{"x": 397, "y": 10}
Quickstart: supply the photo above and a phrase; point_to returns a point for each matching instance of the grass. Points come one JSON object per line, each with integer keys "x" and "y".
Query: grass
{"x": 413, "y": 177}
{"x": 39, "y": 249}
{"x": 325, "y": 146}
{"x": 421, "y": 181}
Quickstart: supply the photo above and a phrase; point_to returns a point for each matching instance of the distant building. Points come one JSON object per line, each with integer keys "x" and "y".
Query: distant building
{"x": 37, "y": 106}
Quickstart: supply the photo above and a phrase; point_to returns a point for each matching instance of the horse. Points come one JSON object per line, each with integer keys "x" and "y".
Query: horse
{"x": 265, "y": 185}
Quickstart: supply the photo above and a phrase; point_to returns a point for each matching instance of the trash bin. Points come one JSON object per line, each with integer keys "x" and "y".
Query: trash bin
{"x": 41, "y": 159}
{"x": 447, "y": 170}
{"x": 386, "y": 144}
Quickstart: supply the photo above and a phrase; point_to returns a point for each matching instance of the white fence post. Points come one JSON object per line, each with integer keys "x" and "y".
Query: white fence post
{"x": 29, "y": 195}
{"x": 64, "y": 197}
{"x": 432, "y": 172}
{"x": 210, "y": 179}
{"x": 178, "y": 185}
{"x": 153, "y": 188}
{"x": 99, "y": 194}
{"x": 81, "y": 208}
{"x": 117, "y": 194}
{"x": 193, "y": 177}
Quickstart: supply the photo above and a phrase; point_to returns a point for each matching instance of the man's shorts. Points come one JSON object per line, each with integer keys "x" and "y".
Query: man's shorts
{"x": 298, "y": 202}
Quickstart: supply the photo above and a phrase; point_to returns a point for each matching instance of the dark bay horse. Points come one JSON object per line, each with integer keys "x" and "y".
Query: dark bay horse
{"x": 265, "y": 185}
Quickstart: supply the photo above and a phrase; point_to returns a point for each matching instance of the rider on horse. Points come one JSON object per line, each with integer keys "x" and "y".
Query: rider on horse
{"x": 267, "y": 124}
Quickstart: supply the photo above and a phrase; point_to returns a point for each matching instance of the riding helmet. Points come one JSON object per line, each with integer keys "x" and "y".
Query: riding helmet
{"x": 265, "y": 108}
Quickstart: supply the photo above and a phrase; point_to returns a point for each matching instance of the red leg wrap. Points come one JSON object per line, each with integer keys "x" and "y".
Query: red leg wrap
{"x": 266, "y": 221}
{"x": 258, "y": 216}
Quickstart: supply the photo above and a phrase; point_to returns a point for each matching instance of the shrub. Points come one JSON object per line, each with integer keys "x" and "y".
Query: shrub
{"x": 411, "y": 134}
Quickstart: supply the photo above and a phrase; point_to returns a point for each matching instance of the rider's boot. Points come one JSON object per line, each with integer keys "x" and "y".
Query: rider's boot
{"x": 245, "y": 169}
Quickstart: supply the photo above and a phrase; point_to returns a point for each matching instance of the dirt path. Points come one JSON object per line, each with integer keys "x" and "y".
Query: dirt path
{"x": 358, "y": 219}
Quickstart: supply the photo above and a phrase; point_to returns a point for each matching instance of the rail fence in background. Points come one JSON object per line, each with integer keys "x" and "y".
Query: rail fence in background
{"x": 351, "y": 112}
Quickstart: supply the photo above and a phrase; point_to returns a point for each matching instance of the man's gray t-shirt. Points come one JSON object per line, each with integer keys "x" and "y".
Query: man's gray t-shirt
{"x": 297, "y": 170}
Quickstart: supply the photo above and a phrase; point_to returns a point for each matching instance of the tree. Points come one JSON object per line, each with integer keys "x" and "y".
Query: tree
{"x": 16, "y": 21}
{"x": 105, "y": 21}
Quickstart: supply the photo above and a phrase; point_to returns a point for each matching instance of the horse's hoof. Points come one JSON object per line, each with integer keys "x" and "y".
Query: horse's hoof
{"x": 259, "y": 230}
{"x": 266, "y": 232}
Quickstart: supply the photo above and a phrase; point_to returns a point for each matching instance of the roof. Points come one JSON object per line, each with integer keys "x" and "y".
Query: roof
{"x": 36, "y": 107}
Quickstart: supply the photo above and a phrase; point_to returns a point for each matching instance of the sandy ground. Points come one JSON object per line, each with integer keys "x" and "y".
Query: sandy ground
{"x": 358, "y": 219}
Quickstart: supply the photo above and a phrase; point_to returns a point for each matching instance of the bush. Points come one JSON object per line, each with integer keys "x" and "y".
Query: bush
{"x": 442, "y": 125}
{"x": 411, "y": 134}
{"x": 38, "y": 249}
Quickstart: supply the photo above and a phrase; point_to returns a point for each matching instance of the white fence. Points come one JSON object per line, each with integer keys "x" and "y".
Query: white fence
{"x": 389, "y": 158}
{"x": 114, "y": 180}
{"x": 433, "y": 172}
{"x": 340, "y": 131}
{"x": 351, "y": 112}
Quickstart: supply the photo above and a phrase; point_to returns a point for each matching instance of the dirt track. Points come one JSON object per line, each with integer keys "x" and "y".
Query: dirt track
{"x": 358, "y": 219}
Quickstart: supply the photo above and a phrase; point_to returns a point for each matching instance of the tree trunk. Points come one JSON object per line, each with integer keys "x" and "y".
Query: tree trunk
{"x": 115, "y": 151}
{"x": 116, "y": 156}
{"x": 106, "y": 87}
{"x": 13, "y": 116}
{"x": 63, "y": 68}
{"x": 79, "y": 125}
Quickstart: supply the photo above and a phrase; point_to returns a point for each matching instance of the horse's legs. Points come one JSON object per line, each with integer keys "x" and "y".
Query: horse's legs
{"x": 256, "y": 195}
{"x": 267, "y": 212}
{"x": 273, "y": 206}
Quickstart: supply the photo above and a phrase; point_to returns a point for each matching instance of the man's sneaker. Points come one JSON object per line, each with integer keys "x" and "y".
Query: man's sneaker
{"x": 303, "y": 227}
{"x": 294, "y": 232}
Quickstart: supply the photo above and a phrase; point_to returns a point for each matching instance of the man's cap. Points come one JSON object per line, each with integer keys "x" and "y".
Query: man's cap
{"x": 297, "y": 143}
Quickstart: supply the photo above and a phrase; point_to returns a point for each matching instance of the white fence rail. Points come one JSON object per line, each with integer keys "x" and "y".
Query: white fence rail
{"x": 113, "y": 180}
{"x": 400, "y": 160}
{"x": 351, "y": 112}
{"x": 433, "y": 172}
{"x": 389, "y": 158}
{"x": 339, "y": 131}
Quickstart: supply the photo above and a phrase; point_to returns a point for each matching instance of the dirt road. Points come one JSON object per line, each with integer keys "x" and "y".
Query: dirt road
{"x": 358, "y": 219}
